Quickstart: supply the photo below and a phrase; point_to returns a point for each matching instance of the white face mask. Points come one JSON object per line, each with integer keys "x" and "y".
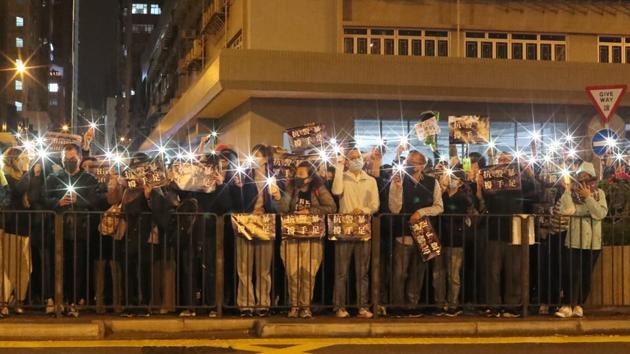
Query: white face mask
{"x": 355, "y": 165}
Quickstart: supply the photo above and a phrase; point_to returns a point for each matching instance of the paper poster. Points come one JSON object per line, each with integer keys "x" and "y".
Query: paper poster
{"x": 102, "y": 170}
{"x": 56, "y": 141}
{"x": 429, "y": 127}
{"x": 303, "y": 226}
{"x": 426, "y": 239}
{"x": 148, "y": 173}
{"x": 307, "y": 136}
{"x": 501, "y": 178}
{"x": 254, "y": 226}
{"x": 193, "y": 177}
{"x": 468, "y": 130}
{"x": 349, "y": 227}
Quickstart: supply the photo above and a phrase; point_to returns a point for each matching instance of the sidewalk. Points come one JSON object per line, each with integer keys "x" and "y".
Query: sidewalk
{"x": 109, "y": 327}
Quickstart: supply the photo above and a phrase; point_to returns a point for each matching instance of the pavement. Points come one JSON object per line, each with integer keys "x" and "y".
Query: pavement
{"x": 94, "y": 327}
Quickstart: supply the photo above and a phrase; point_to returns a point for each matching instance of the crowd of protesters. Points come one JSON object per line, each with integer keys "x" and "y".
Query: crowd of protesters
{"x": 158, "y": 258}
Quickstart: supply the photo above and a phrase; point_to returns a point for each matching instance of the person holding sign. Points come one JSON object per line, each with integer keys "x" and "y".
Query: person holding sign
{"x": 358, "y": 194}
{"x": 411, "y": 192}
{"x": 587, "y": 205}
{"x": 259, "y": 194}
{"x": 452, "y": 230}
{"x": 303, "y": 256}
{"x": 73, "y": 190}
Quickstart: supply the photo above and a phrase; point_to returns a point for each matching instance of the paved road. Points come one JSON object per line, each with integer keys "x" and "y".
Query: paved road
{"x": 510, "y": 345}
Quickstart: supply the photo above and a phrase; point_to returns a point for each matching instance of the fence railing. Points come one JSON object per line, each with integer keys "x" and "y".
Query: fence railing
{"x": 193, "y": 262}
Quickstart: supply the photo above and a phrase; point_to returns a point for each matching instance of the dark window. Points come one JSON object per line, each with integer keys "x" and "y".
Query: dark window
{"x": 616, "y": 54}
{"x": 486, "y": 50}
{"x": 560, "y": 50}
{"x": 603, "y": 54}
{"x": 382, "y": 32}
{"x": 502, "y": 50}
{"x": 409, "y": 33}
{"x": 497, "y": 35}
{"x": 517, "y": 51}
{"x": 389, "y": 46}
{"x": 348, "y": 45}
{"x": 416, "y": 47}
{"x": 375, "y": 46}
{"x": 436, "y": 33}
{"x": 443, "y": 48}
{"x": 532, "y": 51}
{"x": 475, "y": 35}
{"x": 471, "y": 50}
{"x": 403, "y": 47}
{"x": 524, "y": 36}
{"x": 429, "y": 48}
{"x": 355, "y": 31}
{"x": 548, "y": 37}
{"x": 545, "y": 51}
{"x": 362, "y": 45}
{"x": 610, "y": 39}
{"x": 628, "y": 55}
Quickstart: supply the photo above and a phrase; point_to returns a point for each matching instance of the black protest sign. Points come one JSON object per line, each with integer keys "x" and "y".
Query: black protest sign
{"x": 426, "y": 239}
{"x": 194, "y": 176}
{"x": 102, "y": 170}
{"x": 496, "y": 178}
{"x": 468, "y": 130}
{"x": 56, "y": 141}
{"x": 147, "y": 173}
{"x": 307, "y": 136}
{"x": 349, "y": 227}
{"x": 303, "y": 226}
{"x": 254, "y": 226}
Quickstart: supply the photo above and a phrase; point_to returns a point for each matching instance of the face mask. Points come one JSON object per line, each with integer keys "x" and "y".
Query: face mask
{"x": 300, "y": 182}
{"x": 355, "y": 165}
{"x": 70, "y": 165}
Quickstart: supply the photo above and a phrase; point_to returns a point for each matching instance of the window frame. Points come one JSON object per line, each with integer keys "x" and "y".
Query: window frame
{"x": 403, "y": 41}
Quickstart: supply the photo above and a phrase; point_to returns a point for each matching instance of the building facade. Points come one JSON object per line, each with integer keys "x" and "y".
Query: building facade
{"x": 252, "y": 68}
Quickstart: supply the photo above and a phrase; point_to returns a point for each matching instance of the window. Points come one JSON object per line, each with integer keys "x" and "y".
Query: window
{"x": 142, "y": 28}
{"x": 19, "y": 42}
{"x": 53, "y": 102}
{"x": 53, "y": 87}
{"x": 613, "y": 50}
{"x": 471, "y": 50}
{"x": 19, "y": 21}
{"x": 18, "y": 106}
{"x": 486, "y": 50}
{"x": 502, "y": 50}
{"x": 385, "y": 41}
{"x": 517, "y": 51}
{"x": 518, "y": 46}
{"x": 139, "y": 9}
{"x": 532, "y": 51}
{"x": 155, "y": 9}
{"x": 18, "y": 85}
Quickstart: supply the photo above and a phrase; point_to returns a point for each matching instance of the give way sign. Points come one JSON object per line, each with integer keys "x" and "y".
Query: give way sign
{"x": 606, "y": 99}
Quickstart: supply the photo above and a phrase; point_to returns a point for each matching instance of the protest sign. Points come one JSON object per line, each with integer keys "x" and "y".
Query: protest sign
{"x": 307, "y": 136}
{"x": 468, "y": 130}
{"x": 148, "y": 173}
{"x": 56, "y": 141}
{"x": 303, "y": 226}
{"x": 194, "y": 176}
{"x": 349, "y": 227}
{"x": 506, "y": 177}
{"x": 427, "y": 128}
{"x": 426, "y": 239}
{"x": 254, "y": 226}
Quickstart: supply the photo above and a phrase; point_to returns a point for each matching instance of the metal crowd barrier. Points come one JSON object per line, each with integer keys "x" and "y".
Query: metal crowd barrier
{"x": 192, "y": 265}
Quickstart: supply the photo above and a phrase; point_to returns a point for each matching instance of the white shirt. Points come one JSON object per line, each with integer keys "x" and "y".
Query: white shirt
{"x": 355, "y": 191}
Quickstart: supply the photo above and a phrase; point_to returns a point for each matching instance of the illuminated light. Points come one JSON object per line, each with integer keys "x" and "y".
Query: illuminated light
{"x": 492, "y": 144}
{"x": 518, "y": 155}
{"x": 213, "y": 152}
{"x": 398, "y": 168}
{"x": 404, "y": 140}
{"x": 565, "y": 172}
{"x": 18, "y": 135}
{"x": 448, "y": 172}
{"x": 42, "y": 153}
{"x": 547, "y": 158}
{"x": 380, "y": 141}
{"x": 28, "y": 145}
{"x": 270, "y": 180}
{"x": 554, "y": 146}
{"x": 535, "y": 136}
{"x": 323, "y": 156}
{"x": 611, "y": 142}
{"x": 122, "y": 139}
{"x": 572, "y": 152}
{"x": 179, "y": 156}
{"x": 532, "y": 160}
{"x": 20, "y": 67}
{"x": 568, "y": 138}
{"x": 161, "y": 150}
{"x": 65, "y": 127}
{"x": 250, "y": 159}
{"x": 191, "y": 156}
{"x": 39, "y": 140}
{"x": 109, "y": 155}
{"x": 240, "y": 169}
{"x": 444, "y": 158}
{"x": 70, "y": 189}
{"x": 214, "y": 134}
{"x": 337, "y": 149}
{"x": 93, "y": 125}
{"x": 333, "y": 141}
{"x": 619, "y": 156}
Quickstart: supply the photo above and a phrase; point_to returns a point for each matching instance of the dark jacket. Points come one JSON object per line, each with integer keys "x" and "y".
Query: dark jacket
{"x": 27, "y": 186}
{"x": 322, "y": 201}
{"x": 453, "y": 228}
{"x": 245, "y": 197}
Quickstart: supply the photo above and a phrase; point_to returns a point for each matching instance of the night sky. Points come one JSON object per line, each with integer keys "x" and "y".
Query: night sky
{"x": 98, "y": 37}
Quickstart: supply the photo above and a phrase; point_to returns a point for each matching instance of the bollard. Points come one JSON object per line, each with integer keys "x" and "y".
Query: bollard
{"x": 58, "y": 264}
{"x": 525, "y": 264}
{"x": 219, "y": 269}
{"x": 376, "y": 264}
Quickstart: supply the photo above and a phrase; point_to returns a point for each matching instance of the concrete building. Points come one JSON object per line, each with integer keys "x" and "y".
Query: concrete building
{"x": 252, "y": 68}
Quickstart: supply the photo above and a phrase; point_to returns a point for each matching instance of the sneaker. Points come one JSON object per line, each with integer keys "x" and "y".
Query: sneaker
{"x": 543, "y": 310}
{"x": 50, "y": 306}
{"x": 212, "y": 314}
{"x": 73, "y": 311}
{"x": 381, "y": 310}
{"x": 127, "y": 314}
{"x": 492, "y": 313}
{"x": 247, "y": 313}
{"x": 294, "y": 312}
{"x": 4, "y": 311}
{"x": 564, "y": 312}
{"x": 511, "y": 314}
{"x": 262, "y": 312}
{"x": 187, "y": 313}
{"x": 365, "y": 313}
{"x": 342, "y": 313}
{"x": 306, "y": 314}
{"x": 578, "y": 311}
{"x": 19, "y": 310}
{"x": 453, "y": 312}
{"x": 439, "y": 312}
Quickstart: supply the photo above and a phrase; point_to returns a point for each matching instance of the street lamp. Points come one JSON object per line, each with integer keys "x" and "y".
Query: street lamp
{"x": 20, "y": 67}
{"x": 65, "y": 127}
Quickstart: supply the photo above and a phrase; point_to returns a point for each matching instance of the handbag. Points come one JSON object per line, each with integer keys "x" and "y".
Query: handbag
{"x": 113, "y": 223}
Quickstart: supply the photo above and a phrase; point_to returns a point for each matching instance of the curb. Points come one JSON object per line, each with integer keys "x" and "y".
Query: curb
{"x": 12, "y": 331}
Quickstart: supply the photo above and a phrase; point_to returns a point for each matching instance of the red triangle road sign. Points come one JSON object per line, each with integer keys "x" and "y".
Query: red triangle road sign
{"x": 606, "y": 99}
